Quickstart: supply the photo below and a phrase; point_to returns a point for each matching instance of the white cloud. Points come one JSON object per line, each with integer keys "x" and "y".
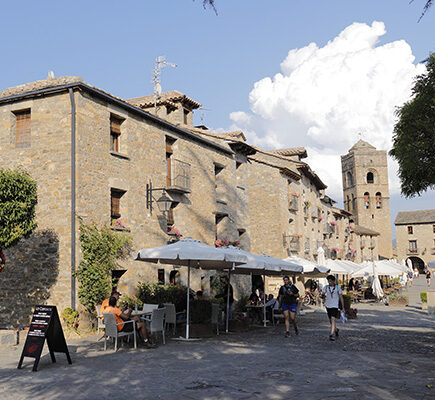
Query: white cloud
{"x": 324, "y": 96}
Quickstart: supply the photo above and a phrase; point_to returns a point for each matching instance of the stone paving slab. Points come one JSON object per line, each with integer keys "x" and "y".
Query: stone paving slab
{"x": 385, "y": 354}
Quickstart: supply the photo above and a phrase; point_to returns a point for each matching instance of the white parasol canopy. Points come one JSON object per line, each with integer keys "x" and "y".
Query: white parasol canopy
{"x": 339, "y": 267}
{"x": 382, "y": 267}
{"x": 376, "y": 284}
{"x": 309, "y": 268}
{"x": 261, "y": 265}
{"x": 192, "y": 253}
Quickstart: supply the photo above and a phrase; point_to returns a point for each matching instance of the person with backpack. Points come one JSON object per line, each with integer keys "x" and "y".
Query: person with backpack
{"x": 288, "y": 303}
{"x": 333, "y": 296}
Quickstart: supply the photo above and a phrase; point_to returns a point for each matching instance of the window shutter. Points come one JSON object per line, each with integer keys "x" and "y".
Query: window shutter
{"x": 115, "y": 125}
{"x": 22, "y": 129}
{"x": 115, "y": 200}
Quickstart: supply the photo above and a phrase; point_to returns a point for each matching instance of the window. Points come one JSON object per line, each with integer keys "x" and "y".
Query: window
{"x": 378, "y": 200}
{"x": 169, "y": 151}
{"x": 349, "y": 179}
{"x": 22, "y": 129}
{"x": 115, "y": 203}
{"x": 353, "y": 204}
{"x": 366, "y": 200}
{"x": 238, "y": 164}
{"x": 433, "y": 228}
{"x": 347, "y": 203}
{"x": 370, "y": 177}
{"x": 410, "y": 230}
{"x": 413, "y": 246}
{"x": 161, "y": 276}
{"x": 115, "y": 132}
{"x": 218, "y": 218}
{"x": 185, "y": 116}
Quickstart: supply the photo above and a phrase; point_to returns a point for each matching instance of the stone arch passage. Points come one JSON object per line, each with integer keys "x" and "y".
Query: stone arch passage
{"x": 417, "y": 262}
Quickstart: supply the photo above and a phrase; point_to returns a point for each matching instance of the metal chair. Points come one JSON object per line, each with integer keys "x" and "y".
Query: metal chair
{"x": 171, "y": 316}
{"x": 149, "y": 307}
{"x": 112, "y": 330}
{"x": 215, "y": 311}
{"x": 157, "y": 322}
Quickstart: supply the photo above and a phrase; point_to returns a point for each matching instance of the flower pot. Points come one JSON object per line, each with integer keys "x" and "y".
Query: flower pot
{"x": 398, "y": 302}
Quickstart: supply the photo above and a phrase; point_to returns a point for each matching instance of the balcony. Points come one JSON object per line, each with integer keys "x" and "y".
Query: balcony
{"x": 178, "y": 179}
{"x": 363, "y": 243}
{"x": 314, "y": 214}
{"x": 293, "y": 203}
{"x": 372, "y": 243}
{"x": 414, "y": 251}
{"x": 292, "y": 243}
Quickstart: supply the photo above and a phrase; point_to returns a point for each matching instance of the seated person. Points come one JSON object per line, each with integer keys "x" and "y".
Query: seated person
{"x": 124, "y": 315}
{"x": 357, "y": 285}
{"x": 261, "y": 299}
{"x": 350, "y": 285}
{"x": 105, "y": 302}
{"x": 253, "y": 299}
{"x": 272, "y": 304}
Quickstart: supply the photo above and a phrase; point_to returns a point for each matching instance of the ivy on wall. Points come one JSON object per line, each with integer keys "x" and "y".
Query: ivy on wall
{"x": 101, "y": 249}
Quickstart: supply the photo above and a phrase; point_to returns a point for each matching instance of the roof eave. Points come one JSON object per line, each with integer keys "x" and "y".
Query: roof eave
{"x": 122, "y": 103}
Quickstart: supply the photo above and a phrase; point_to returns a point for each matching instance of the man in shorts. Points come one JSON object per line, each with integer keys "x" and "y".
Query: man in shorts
{"x": 333, "y": 294}
{"x": 288, "y": 303}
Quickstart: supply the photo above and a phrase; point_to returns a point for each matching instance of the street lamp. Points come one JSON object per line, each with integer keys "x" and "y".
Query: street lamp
{"x": 164, "y": 203}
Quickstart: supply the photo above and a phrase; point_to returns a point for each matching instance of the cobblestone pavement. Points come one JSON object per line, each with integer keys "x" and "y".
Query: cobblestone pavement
{"x": 387, "y": 353}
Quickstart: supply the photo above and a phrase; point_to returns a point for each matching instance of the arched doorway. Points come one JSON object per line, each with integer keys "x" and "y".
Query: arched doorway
{"x": 417, "y": 263}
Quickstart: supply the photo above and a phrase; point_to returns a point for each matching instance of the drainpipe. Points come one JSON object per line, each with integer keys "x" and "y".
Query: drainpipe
{"x": 73, "y": 198}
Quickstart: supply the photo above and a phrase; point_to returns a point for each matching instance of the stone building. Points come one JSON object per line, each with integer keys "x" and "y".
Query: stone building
{"x": 415, "y": 236}
{"x": 366, "y": 193}
{"x": 94, "y": 155}
{"x": 115, "y": 149}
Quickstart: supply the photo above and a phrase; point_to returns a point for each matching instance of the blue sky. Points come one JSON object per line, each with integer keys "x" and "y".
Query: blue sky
{"x": 113, "y": 44}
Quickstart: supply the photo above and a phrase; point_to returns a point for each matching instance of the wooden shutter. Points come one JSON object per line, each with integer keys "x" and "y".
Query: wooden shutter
{"x": 115, "y": 203}
{"x": 115, "y": 125}
{"x": 22, "y": 129}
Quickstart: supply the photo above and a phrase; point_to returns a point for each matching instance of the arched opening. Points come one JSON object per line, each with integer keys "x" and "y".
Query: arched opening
{"x": 378, "y": 200}
{"x": 174, "y": 276}
{"x": 349, "y": 177}
{"x": 417, "y": 263}
{"x": 366, "y": 200}
{"x": 370, "y": 177}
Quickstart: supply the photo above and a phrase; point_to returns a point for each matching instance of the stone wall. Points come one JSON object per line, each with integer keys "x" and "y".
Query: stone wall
{"x": 424, "y": 235}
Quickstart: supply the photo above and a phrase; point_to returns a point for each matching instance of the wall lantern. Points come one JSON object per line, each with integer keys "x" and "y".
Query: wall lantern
{"x": 164, "y": 203}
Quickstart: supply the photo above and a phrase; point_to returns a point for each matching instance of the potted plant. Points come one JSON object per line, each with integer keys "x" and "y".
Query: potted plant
{"x": 423, "y": 298}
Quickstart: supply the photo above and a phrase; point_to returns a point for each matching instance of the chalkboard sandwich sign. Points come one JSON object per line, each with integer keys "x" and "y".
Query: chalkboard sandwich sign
{"x": 45, "y": 325}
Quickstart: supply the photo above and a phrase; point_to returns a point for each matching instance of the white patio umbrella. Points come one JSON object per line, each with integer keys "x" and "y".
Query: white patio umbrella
{"x": 382, "y": 268}
{"x": 310, "y": 268}
{"x": 409, "y": 263}
{"x": 376, "y": 284}
{"x": 192, "y": 253}
{"x": 262, "y": 265}
{"x": 338, "y": 267}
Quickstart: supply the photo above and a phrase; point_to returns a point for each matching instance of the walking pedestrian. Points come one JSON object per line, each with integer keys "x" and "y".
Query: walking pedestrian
{"x": 333, "y": 294}
{"x": 428, "y": 276}
{"x": 288, "y": 303}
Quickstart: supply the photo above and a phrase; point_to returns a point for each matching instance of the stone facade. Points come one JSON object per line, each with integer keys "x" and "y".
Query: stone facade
{"x": 221, "y": 187}
{"x": 366, "y": 193}
{"x": 415, "y": 236}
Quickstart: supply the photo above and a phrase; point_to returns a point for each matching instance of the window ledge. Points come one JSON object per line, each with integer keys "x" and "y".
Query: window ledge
{"x": 119, "y": 228}
{"x": 119, "y": 155}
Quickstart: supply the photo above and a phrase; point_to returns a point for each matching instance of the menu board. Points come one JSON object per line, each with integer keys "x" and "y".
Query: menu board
{"x": 45, "y": 325}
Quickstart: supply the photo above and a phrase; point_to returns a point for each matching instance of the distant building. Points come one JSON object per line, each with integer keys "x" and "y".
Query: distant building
{"x": 415, "y": 236}
{"x": 366, "y": 193}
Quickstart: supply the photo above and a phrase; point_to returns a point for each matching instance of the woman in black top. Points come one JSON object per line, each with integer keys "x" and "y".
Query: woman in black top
{"x": 288, "y": 303}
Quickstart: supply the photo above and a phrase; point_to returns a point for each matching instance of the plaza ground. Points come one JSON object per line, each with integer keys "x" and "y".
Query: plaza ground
{"x": 387, "y": 353}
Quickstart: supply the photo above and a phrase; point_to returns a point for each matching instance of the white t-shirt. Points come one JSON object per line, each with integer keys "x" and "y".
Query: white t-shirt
{"x": 332, "y": 295}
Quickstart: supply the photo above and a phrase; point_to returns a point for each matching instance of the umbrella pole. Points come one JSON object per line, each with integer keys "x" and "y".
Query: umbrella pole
{"x": 188, "y": 301}
{"x": 264, "y": 301}
{"x": 228, "y": 302}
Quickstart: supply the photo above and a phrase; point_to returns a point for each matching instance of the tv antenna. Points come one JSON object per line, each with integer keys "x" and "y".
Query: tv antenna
{"x": 159, "y": 64}
{"x": 203, "y": 114}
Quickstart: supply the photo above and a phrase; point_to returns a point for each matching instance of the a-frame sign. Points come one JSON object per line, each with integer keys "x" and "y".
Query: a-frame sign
{"x": 45, "y": 325}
